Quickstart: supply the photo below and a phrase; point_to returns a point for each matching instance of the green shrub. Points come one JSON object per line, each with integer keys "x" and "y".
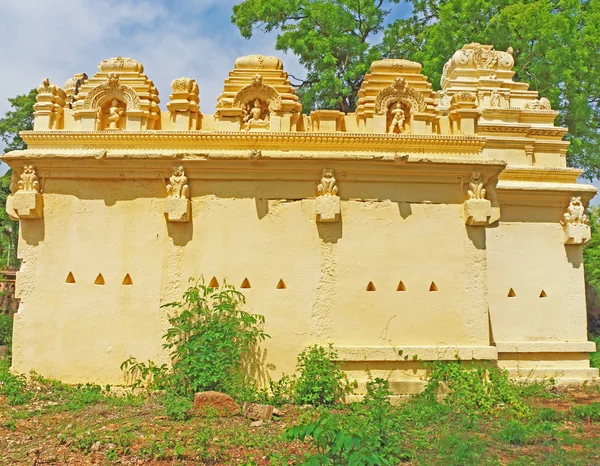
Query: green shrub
{"x": 6, "y": 329}
{"x": 178, "y": 407}
{"x": 517, "y": 432}
{"x": 588, "y": 412}
{"x": 14, "y": 387}
{"x": 473, "y": 388}
{"x": 369, "y": 434}
{"x": 320, "y": 380}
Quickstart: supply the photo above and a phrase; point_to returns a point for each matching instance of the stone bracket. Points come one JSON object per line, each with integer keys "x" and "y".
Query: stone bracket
{"x": 328, "y": 208}
{"x": 178, "y": 209}
{"x": 577, "y": 233}
{"x": 25, "y": 204}
{"x": 478, "y": 212}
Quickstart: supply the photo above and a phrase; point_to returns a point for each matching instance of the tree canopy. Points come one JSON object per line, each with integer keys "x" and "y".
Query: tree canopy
{"x": 556, "y": 46}
{"x": 19, "y": 118}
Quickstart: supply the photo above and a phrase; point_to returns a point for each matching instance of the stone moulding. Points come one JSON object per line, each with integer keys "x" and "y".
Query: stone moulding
{"x": 424, "y": 353}
{"x": 254, "y": 140}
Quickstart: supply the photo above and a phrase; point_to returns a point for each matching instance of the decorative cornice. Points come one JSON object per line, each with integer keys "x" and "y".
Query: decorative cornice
{"x": 253, "y": 140}
{"x": 539, "y": 173}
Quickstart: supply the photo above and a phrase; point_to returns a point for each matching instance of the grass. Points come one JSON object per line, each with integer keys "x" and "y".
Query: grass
{"x": 47, "y": 422}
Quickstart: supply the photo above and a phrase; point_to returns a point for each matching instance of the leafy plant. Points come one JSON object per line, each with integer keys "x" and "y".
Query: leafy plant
{"x": 6, "y": 327}
{"x": 320, "y": 380}
{"x": 474, "y": 388}
{"x": 588, "y": 412}
{"x": 177, "y": 407}
{"x": 14, "y": 387}
{"x": 369, "y": 434}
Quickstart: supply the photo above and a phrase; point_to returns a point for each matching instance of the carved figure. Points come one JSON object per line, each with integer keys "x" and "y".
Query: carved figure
{"x": 476, "y": 189}
{"x": 575, "y": 213}
{"x": 497, "y": 100}
{"x": 328, "y": 186}
{"x": 28, "y": 181}
{"x": 177, "y": 187}
{"x": 254, "y": 116}
{"x": 539, "y": 104}
{"x": 398, "y": 118}
{"x": 114, "y": 114}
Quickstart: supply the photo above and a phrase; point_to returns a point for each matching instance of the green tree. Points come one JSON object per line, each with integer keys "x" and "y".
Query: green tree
{"x": 591, "y": 255}
{"x": 19, "y": 118}
{"x": 556, "y": 45}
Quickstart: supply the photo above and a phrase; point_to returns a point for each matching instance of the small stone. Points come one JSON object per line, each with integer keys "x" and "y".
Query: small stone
{"x": 257, "y": 423}
{"x": 277, "y": 412}
{"x": 221, "y": 402}
{"x": 255, "y": 411}
{"x": 96, "y": 446}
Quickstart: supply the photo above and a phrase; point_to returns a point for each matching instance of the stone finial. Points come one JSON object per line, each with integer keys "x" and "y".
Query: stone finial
{"x": 48, "y": 109}
{"x": 327, "y": 205}
{"x": 184, "y": 105}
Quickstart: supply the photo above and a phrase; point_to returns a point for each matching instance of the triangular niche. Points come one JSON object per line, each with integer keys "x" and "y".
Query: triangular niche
{"x": 99, "y": 280}
{"x": 214, "y": 283}
{"x": 281, "y": 285}
{"x": 70, "y": 278}
{"x": 401, "y": 287}
{"x": 511, "y": 293}
{"x": 543, "y": 294}
{"x": 433, "y": 287}
{"x": 371, "y": 287}
{"x": 127, "y": 280}
{"x": 245, "y": 284}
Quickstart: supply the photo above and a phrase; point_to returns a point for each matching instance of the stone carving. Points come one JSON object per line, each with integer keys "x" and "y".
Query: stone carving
{"x": 398, "y": 118}
{"x": 327, "y": 186}
{"x": 464, "y": 97}
{"x": 576, "y": 223}
{"x": 115, "y": 112}
{"x": 112, "y": 89}
{"x": 177, "y": 187}
{"x": 255, "y": 115}
{"x": 28, "y": 181}
{"x": 72, "y": 88}
{"x": 539, "y": 104}
{"x": 258, "y": 90}
{"x": 399, "y": 91}
{"x": 327, "y": 205}
{"x": 481, "y": 57}
{"x": 120, "y": 65}
{"x": 476, "y": 189}
{"x": 575, "y": 213}
{"x": 498, "y": 100}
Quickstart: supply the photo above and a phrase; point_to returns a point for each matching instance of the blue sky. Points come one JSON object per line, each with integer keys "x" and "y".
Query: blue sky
{"x": 195, "y": 38}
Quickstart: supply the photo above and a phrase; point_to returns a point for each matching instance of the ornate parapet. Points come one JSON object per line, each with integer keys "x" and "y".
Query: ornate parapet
{"x": 327, "y": 121}
{"x": 25, "y": 200}
{"x": 576, "y": 223}
{"x": 48, "y": 109}
{"x": 177, "y": 204}
{"x": 118, "y": 98}
{"x": 464, "y": 113}
{"x": 184, "y": 106}
{"x": 327, "y": 203}
{"x": 258, "y": 97}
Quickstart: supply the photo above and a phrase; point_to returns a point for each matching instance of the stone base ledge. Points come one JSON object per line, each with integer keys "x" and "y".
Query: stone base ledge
{"x": 561, "y": 377}
{"x": 409, "y": 353}
{"x": 545, "y": 346}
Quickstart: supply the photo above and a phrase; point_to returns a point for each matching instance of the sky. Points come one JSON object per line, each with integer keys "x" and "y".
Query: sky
{"x": 171, "y": 38}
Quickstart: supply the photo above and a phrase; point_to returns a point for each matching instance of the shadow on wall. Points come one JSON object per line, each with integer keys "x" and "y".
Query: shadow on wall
{"x": 33, "y": 231}
{"x": 180, "y": 232}
{"x": 330, "y": 232}
{"x": 574, "y": 255}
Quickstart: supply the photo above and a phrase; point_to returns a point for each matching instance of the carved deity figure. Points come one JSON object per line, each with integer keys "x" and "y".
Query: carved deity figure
{"x": 327, "y": 186}
{"x": 28, "y": 181}
{"x": 539, "y": 104}
{"x": 177, "y": 187}
{"x": 497, "y": 100}
{"x": 398, "y": 118}
{"x": 476, "y": 189}
{"x": 254, "y": 116}
{"x": 115, "y": 112}
{"x": 575, "y": 213}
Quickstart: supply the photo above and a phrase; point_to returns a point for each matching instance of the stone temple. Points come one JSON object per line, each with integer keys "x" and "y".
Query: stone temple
{"x": 436, "y": 224}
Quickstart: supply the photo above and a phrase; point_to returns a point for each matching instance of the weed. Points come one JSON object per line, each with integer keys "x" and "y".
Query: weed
{"x": 320, "y": 380}
{"x": 6, "y": 329}
{"x": 177, "y": 407}
{"x": 589, "y": 413}
{"x": 595, "y": 357}
{"x": 112, "y": 455}
{"x": 14, "y": 387}
{"x": 517, "y": 432}
{"x": 477, "y": 389}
